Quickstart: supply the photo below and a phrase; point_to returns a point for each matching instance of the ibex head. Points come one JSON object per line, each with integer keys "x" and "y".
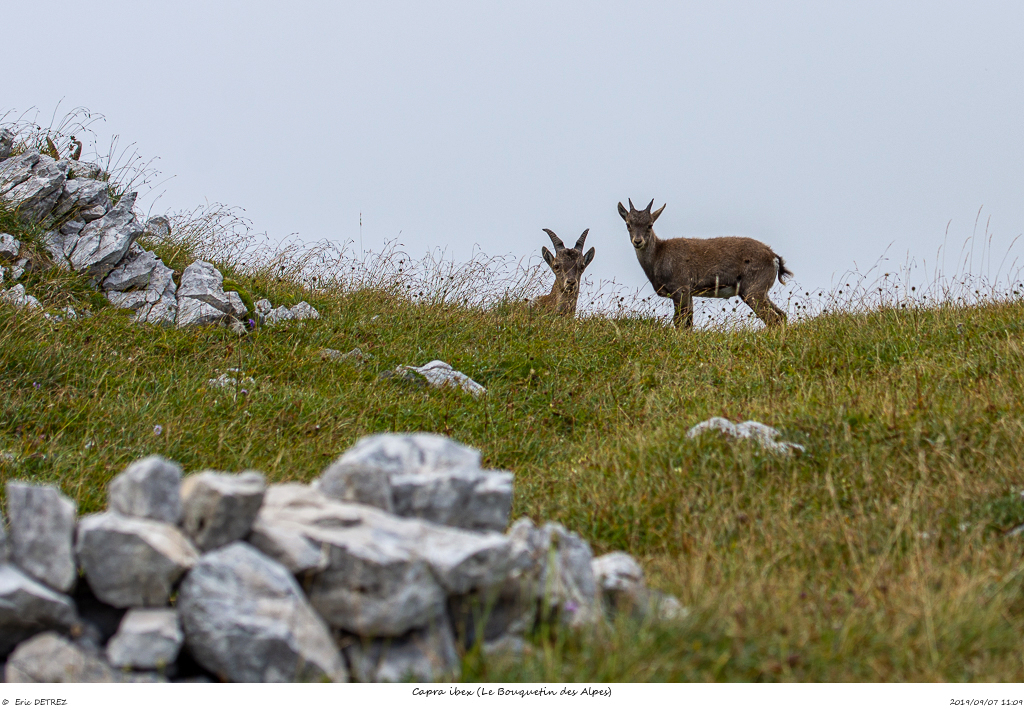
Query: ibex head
{"x": 568, "y": 264}
{"x": 640, "y": 223}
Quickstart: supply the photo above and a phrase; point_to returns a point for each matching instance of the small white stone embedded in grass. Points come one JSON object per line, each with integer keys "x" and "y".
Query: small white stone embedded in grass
{"x": 440, "y": 374}
{"x": 761, "y": 433}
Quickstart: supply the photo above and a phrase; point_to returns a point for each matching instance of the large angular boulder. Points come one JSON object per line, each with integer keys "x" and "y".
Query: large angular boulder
{"x": 42, "y": 529}
{"x": 145, "y": 285}
{"x": 473, "y": 499}
{"x": 374, "y": 574}
{"x": 219, "y": 508}
{"x": 31, "y": 184}
{"x": 424, "y": 655}
{"x": 201, "y": 297}
{"x": 422, "y": 476}
{"x": 565, "y": 588}
{"x": 27, "y": 608}
{"x": 135, "y": 271}
{"x": 147, "y": 639}
{"x": 132, "y": 562}
{"x": 103, "y": 243}
{"x": 246, "y": 620}
{"x": 148, "y": 488}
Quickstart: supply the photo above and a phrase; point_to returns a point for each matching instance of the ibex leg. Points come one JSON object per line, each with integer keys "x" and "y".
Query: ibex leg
{"x": 683, "y": 317}
{"x": 765, "y": 310}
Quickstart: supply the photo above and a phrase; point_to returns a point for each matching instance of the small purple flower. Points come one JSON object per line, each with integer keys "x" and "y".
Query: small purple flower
{"x": 245, "y": 392}
{"x": 36, "y": 385}
{"x": 570, "y": 606}
{"x": 252, "y": 324}
{"x": 158, "y": 430}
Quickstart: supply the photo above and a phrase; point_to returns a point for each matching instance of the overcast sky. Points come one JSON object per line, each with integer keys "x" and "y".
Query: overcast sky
{"x": 827, "y": 131}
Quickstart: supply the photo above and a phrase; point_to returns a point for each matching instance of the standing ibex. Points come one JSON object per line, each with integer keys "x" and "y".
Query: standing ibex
{"x": 709, "y": 268}
{"x": 568, "y": 265}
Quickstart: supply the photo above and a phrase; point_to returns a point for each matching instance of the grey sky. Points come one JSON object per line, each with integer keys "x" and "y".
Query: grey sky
{"x": 828, "y": 131}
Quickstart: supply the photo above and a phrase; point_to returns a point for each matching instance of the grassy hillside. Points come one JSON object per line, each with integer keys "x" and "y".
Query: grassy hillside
{"x": 880, "y": 554}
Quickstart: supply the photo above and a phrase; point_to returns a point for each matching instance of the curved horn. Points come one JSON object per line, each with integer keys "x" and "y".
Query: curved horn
{"x": 631, "y": 207}
{"x": 647, "y": 209}
{"x": 582, "y": 239}
{"x": 555, "y": 240}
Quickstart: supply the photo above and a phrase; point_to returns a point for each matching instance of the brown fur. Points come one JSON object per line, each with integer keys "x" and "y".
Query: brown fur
{"x": 708, "y": 268}
{"x": 568, "y": 265}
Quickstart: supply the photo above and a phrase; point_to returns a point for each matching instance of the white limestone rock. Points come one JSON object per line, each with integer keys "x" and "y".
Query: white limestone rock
{"x": 158, "y": 228}
{"x": 422, "y": 476}
{"x": 28, "y": 608}
{"x": 84, "y": 198}
{"x": 194, "y": 312}
{"x": 219, "y": 508}
{"x": 87, "y": 171}
{"x": 148, "y": 488}
{"x": 565, "y": 586}
{"x": 31, "y": 184}
{"x": 620, "y": 581}
{"x": 374, "y": 574}
{"x": 132, "y": 562}
{"x": 134, "y": 271}
{"x": 42, "y": 529}
{"x": 51, "y": 658}
{"x": 103, "y": 243}
{"x": 246, "y": 620}
{"x": 300, "y": 311}
{"x": 17, "y": 297}
{"x": 424, "y": 655}
{"x": 370, "y": 582}
{"x": 147, "y": 639}
{"x": 438, "y": 373}
{"x": 202, "y": 282}
{"x": 9, "y": 246}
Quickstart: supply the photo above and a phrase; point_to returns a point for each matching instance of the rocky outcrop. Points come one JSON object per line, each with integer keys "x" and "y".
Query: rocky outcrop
{"x": 92, "y": 233}
{"x": 295, "y": 584}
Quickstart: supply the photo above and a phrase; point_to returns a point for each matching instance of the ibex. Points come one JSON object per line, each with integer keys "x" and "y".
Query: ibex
{"x": 708, "y": 268}
{"x": 568, "y": 265}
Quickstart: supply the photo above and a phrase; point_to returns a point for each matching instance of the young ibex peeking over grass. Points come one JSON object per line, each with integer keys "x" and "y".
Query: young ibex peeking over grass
{"x": 568, "y": 265}
{"x": 709, "y": 268}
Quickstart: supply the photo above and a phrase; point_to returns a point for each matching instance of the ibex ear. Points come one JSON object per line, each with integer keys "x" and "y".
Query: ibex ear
{"x": 657, "y": 212}
{"x": 588, "y": 257}
{"x": 623, "y": 212}
{"x": 548, "y": 256}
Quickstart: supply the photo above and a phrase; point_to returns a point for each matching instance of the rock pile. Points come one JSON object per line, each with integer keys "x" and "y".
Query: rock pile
{"x": 384, "y": 569}
{"x": 92, "y": 234}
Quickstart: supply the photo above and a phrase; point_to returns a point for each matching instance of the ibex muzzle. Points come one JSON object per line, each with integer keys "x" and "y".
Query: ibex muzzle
{"x": 723, "y": 267}
{"x": 568, "y": 265}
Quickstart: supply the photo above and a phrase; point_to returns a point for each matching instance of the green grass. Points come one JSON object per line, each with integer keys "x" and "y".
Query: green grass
{"x": 880, "y": 554}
